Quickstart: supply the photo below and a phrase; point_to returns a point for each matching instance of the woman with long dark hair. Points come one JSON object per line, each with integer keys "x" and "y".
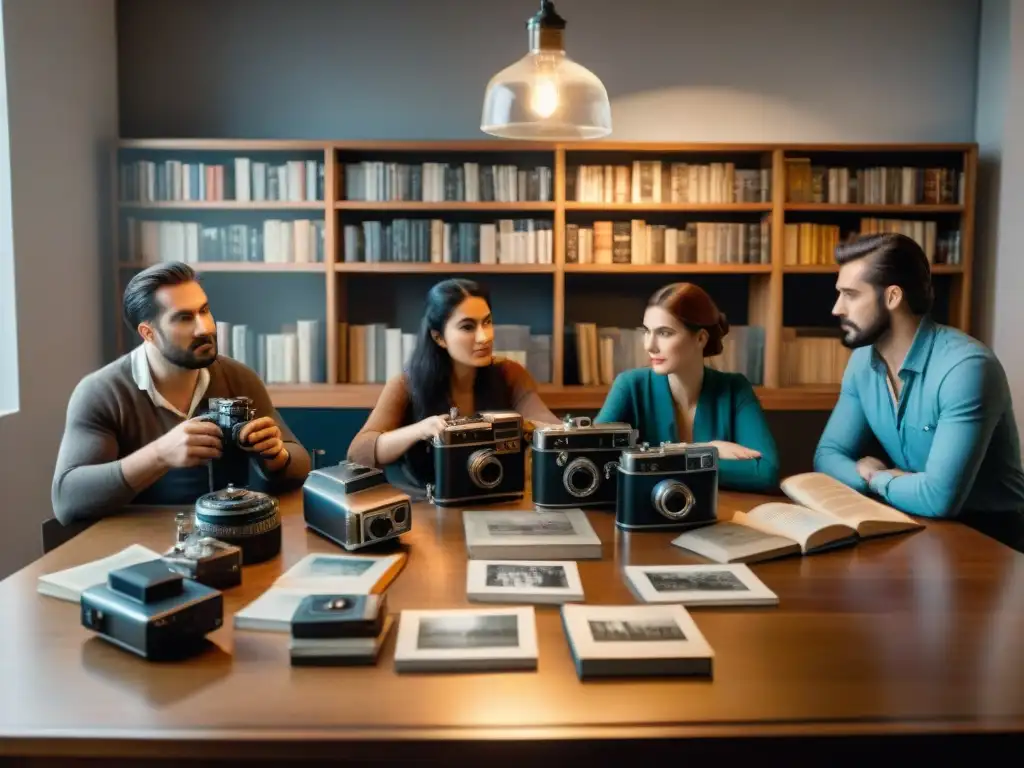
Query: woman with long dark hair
{"x": 680, "y": 399}
{"x": 452, "y": 365}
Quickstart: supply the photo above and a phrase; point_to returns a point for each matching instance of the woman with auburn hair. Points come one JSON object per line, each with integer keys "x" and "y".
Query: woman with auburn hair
{"x": 679, "y": 399}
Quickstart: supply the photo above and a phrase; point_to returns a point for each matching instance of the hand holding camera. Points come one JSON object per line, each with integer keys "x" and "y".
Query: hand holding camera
{"x": 189, "y": 444}
{"x": 431, "y": 427}
{"x": 262, "y": 436}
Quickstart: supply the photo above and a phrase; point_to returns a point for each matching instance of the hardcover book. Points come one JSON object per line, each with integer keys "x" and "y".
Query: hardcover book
{"x": 635, "y": 640}
{"x": 530, "y": 535}
{"x": 823, "y": 514}
{"x": 71, "y": 582}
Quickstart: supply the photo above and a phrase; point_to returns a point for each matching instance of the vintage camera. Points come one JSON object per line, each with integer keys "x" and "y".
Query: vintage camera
{"x": 247, "y": 519}
{"x": 231, "y": 414}
{"x": 354, "y": 506}
{"x": 574, "y": 462}
{"x": 669, "y": 487}
{"x": 152, "y": 611}
{"x": 202, "y": 558}
{"x": 479, "y": 458}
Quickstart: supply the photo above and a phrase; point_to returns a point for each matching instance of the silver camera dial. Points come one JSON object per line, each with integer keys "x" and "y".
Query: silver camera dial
{"x": 673, "y": 499}
{"x": 485, "y": 470}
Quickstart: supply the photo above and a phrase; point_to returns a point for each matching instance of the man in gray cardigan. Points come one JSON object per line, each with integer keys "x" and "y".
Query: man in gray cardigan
{"x": 131, "y": 435}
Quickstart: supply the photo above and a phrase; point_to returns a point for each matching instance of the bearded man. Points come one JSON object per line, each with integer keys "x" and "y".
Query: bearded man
{"x": 935, "y": 399}
{"x": 132, "y": 435}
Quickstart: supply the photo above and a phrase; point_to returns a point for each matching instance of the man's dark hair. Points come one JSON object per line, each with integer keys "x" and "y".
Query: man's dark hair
{"x": 894, "y": 260}
{"x": 139, "y": 302}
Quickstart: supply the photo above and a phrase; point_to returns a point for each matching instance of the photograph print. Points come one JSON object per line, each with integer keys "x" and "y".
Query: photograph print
{"x": 696, "y": 581}
{"x": 526, "y": 576}
{"x": 472, "y": 630}
{"x": 547, "y": 524}
{"x": 635, "y": 630}
{"x": 329, "y": 566}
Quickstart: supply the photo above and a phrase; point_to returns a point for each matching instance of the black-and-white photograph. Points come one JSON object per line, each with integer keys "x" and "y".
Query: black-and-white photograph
{"x": 527, "y": 576}
{"x": 642, "y": 630}
{"x": 548, "y": 525}
{"x": 696, "y": 581}
{"x": 469, "y": 631}
{"x": 326, "y": 566}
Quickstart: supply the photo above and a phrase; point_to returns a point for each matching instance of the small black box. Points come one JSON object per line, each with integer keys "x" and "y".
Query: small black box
{"x": 336, "y": 616}
{"x": 147, "y": 582}
{"x": 207, "y": 561}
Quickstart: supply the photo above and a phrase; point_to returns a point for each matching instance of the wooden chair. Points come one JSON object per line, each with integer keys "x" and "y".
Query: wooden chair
{"x": 55, "y": 533}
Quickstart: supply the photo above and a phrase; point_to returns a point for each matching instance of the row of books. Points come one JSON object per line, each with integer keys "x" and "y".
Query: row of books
{"x": 295, "y": 355}
{"x": 813, "y": 356}
{"x": 807, "y": 243}
{"x": 506, "y": 241}
{"x": 883, "y": 185}
{"x": 637, "y": 242}
{"x": 379, "y": 181}
{"x": 653, "y": 181}
{"x": 293, "y": 181}
{"x": 602, "y": 352}
{"x": 376, "y": 352}
{"x": 275, "y": 242}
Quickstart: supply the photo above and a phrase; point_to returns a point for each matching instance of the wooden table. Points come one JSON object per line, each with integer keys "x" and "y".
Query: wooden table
{"x": 907, "y": 638}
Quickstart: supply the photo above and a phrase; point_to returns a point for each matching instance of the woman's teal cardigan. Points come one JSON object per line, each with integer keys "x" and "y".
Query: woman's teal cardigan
{"x": 727, "y": 410}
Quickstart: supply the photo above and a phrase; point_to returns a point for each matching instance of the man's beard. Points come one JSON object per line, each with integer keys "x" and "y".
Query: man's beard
{"x": 187, "y": 358}
{"x": 862, "y": 337}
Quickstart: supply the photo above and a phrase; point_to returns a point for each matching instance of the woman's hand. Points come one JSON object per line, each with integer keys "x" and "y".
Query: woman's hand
{"x": 727, "y": 450}
{"x": 430, "y": 427}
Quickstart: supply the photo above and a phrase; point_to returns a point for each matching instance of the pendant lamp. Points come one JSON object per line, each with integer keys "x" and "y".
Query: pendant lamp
{"x": 546, "y": 95}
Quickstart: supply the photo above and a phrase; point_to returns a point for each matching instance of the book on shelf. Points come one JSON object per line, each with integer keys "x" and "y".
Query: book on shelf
{"x": 436, "y": 241}
{"x": 808, "y": 243}
{"x": 375, "y": 353}
{"x": 635, "y": 641}
{"x": 823, "y": 514}
{"x": 697, "y": 242}
{"x": 275, "y": 241}
{"x": 813, "y": 356}
{"x": 69, "y": 583}
{"x": 432, "y": 182}
{"x": 295, "y": 355}
{"x": 810, "y": 182}
{"x": 318, "y": 574}
{"x": 657, "y": 181}
{"x": 602, "y": 353}
{"x": 243, "y": 179}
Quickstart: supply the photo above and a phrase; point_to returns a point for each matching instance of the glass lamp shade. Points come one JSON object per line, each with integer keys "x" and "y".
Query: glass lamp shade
{"x": 546, "y": 95}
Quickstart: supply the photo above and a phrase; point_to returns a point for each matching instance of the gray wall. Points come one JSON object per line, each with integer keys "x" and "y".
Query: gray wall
{"x": 60, "y": 59}
{"x": 701, "y": 70}
{"x": 1001, "y": 145}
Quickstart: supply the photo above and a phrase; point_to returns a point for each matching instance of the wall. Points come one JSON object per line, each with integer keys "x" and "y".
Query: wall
{"x": 1000, "y": 132}
{"x": 61, "y": 61}
{"x": 704, "y": 70}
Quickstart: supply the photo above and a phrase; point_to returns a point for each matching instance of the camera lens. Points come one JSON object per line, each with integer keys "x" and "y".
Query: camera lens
{"x": 485, "y": 470}
{"x": 380, "y": 527}
{"x": 398, "y": 515}
{"x": 672, "y": 499}
{"x": 581, "y": 477}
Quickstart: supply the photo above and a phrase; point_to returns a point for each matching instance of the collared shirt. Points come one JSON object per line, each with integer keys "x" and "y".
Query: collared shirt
{"x": 952, "y": 428}
{"x": 143, "y": 377}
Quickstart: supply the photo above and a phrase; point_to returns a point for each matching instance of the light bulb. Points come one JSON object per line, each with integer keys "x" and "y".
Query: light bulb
{"x": 544, "y": 97}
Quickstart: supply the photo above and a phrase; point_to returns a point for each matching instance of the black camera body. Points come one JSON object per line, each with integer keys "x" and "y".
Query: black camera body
{"x": 152, "y": 611}
{"x": 479, "y": 458}
{"x": 231, "y": 414}
{"x": 574, "y": 463}
{"x": 673, "y": 486}
{"x": 354, "y": 506}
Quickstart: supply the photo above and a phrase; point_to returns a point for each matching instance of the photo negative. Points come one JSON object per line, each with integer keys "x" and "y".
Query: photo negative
{"x": 326, "y": 566}
{"x": 527, "y": 576}
{"x": 548, "y": 524}
{"x": 469, "y": 631}
{"x": 696, "y": 581}
{"x": 636, "y": 630}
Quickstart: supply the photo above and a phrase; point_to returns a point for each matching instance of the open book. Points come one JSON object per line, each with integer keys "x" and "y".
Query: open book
{"x": 71, "y": 582}
{"x": 317, "y": 574}
{"x": 824, "y": 513}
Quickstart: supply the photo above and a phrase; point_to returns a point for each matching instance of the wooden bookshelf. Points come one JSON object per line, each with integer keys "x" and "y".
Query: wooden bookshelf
{"x": 773, "y": 288}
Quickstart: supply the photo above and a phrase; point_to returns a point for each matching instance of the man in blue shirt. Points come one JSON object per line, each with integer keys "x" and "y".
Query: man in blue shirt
{"x": 936, "y": 399}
